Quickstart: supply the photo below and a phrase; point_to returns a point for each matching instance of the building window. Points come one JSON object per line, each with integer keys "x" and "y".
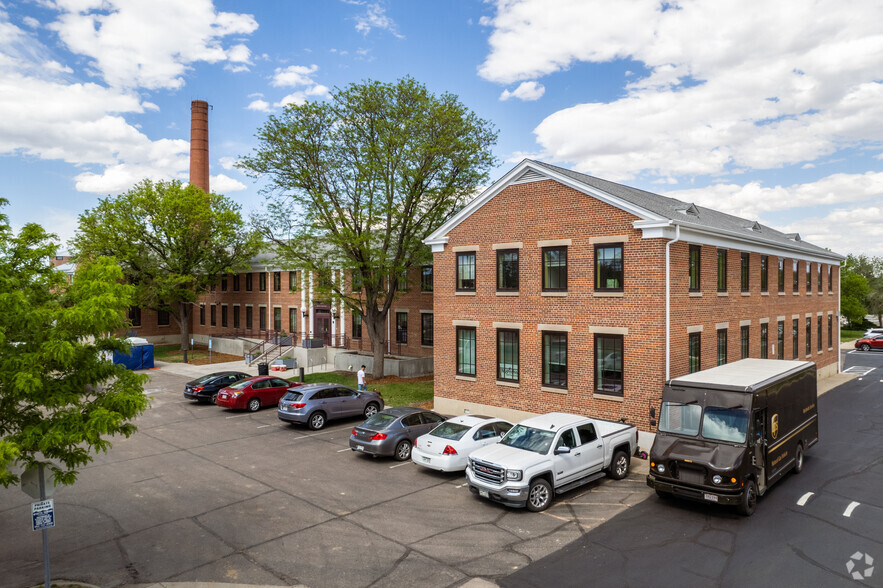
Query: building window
{"x": 830, "y": 280}
{"x": 764, "y": 273}
{"x": 764, "y": 340}
{"x": 694, "y": 352}
{"x": 357, "y": 324}
{"x": 555, "y": 359}
{"x": 426, "y": 278}
{"x": 202, "y": 314}
{"x": 162, "y": 318}
{"x": 214, "y": 314}
{"x": 780, "y": 340}
{"x": 721, "y": 270}
{"x": 277, "y": 319}
{"x": 277, "y": 281}
{"x": 695, "y": 267}
{"x": 507, "y": 270}
{"x": 795, "y": 275}
{"x": 819, "y": 266}
{"x": 262, "y": 318}
{"x": 608, "y": 364}
{"x": 744, "y": 258}
{"x": 402, "y": 328}
{"x": 236, "y": 317}
{"x": 809, "y": 335}
{"x": 134, "y": 316}
{"x": 224, "y": 284}
{"x": 262, "y": 282}
{"x": 608, "y": 267}
{"x": 249, "y": 316}
{"x": 554, "y": 269}
{"x": 743, "y": 341}
{"x": 466, "y": 350}
{"x": 721, "y": 346}
{"x": 466, "y": 272}
{"x": 248, "y": 282}
{"x": 292, "y": 320}
{"x": 819, "y": 334}
{"x": 808, "y": 277}
{"x": 507, "y": 355}
{"x": 292, "y": 281}
{"x": 426, "y": 329}
{"x": 830, "y": 330}
{"x": 794, "y": 329}
{"x": 782, "y": 274}
{"x": 236, "y": 282}
{"x": 223, "y": 315}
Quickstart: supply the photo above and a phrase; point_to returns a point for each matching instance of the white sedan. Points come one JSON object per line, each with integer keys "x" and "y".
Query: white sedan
{"x": 447, "y": 447}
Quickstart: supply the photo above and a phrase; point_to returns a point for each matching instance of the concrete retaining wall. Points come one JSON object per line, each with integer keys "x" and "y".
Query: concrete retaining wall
{"x": 409, "y": 367}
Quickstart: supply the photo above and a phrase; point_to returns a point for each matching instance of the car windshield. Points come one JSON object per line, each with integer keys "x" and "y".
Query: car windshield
{"x": 241, "y": 384}
{"x": 450, "y": 431}
{"x": 380, "y": 420}
{"x": 205, "y": 379}
{"x": 529, "y": 438}
{"x": 725, "y": 424}
{"x": 292, "y": 396}
{"x": 680, "y": 418}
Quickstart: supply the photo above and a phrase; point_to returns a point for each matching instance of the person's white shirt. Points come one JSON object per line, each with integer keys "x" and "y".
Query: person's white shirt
{"x": 360, "y": 377}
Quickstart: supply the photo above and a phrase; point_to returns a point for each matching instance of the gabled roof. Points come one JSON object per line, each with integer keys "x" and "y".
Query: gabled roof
{"x": 653, "y": 210}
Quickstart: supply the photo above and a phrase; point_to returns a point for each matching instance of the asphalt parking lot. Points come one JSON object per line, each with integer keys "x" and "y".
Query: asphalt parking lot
{"x": 201, "y": 493}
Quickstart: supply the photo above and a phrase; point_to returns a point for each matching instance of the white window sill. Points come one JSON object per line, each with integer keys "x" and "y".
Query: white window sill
{"x": 723, "y": 293}
{"x": 608, "y": 294}
{"x": 554, "y": 294}
{"x": 508, "y": 384}
{"x": 608, "y": 397}
{"x": 507, "y": 293}
{"x": 695, "y": 294}
{"x": 464, "y": 293}
{"x": 553, "y": 390}
{"x": 745, "y": 293}
{"x": 465, "y": 378}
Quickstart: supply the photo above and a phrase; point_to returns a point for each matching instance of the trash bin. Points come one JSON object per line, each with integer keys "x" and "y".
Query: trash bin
{"x": 263, "y": 369}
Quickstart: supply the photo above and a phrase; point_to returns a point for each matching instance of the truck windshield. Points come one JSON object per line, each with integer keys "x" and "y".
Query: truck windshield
{"x": 529, "y": 438}
{"x": 680, "y": 418}
{"x": 725, "y": 424}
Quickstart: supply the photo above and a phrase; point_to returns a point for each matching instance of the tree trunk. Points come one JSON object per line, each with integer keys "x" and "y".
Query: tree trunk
{"x": 184, "y": 327}
{"x": 376, "y": 323}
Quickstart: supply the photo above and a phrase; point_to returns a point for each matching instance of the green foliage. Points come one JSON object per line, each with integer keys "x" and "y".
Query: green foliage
{"x": 394, "y": 394}
{"x": 173, "y": 242}
{"x": 854, "y": 291}
{"x": 59, "y": 399}
{"x": 359, "y": 181}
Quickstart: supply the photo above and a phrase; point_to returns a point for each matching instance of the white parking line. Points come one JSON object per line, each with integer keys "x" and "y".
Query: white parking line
{"x": 236, "y": 416}
{"x": 342, "y": 450}
{"x": 400, "y": 465}
{"x": 850, "y": 508}
{"x": 805, "y": 498}
{"x": 262, "y": 426}
{"x": 859, "y": 369}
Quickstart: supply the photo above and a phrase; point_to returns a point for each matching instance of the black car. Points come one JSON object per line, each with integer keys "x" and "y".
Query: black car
{"x": 205, "y": 389}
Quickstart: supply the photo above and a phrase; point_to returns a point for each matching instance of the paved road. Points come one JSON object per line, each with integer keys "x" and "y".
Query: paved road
{"x": 205, "y": 494}
{"x": 805, "y": 531}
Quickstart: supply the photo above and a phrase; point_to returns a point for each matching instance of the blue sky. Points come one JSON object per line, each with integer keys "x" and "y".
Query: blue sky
{"x": 771, "y": 112}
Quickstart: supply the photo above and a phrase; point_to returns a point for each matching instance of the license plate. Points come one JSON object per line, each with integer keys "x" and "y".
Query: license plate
{"x": 483, "y": 494}
{"x": 426, "y": 459}
{"x": 360, "y": 448}
{"x": 710, "y": 497}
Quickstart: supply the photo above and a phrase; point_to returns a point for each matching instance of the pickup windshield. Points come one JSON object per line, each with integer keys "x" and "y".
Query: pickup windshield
{"x": 725, "y": 424}
{"x": 529, "y": 438}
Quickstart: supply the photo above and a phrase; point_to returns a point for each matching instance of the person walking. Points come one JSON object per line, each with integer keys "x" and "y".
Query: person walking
{"x": 360, "y": 378}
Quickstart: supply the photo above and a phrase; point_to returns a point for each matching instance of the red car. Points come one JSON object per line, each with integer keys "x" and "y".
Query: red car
{"x": 871, "y": 342}
{"x": 255, "y": 392}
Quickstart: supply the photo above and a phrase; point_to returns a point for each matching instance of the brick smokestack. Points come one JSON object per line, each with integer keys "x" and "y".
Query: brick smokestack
{"x": 199, "y": 144}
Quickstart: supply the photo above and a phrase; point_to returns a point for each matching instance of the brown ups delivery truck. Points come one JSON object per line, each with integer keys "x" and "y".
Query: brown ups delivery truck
{"x": 726, "y": 434}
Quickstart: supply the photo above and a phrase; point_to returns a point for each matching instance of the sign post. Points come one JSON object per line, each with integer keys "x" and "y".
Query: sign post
{"x": 33, "y": 483}
{"x": 209, "y": 350}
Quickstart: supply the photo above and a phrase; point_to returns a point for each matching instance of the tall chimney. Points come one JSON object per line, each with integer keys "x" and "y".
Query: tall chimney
{"x": 199, "y": 144}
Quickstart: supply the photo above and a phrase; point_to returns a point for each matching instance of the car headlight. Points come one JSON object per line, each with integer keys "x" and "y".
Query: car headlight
{"x": 717, "y": 479}
{"x": 513, "y": 475}
{"x": 660, "y": 468}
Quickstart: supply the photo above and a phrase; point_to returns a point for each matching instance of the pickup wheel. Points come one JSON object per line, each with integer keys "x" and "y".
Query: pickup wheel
{"x": 749, "y": 499}
{"x": 539, "y": 495}
{"x": 619, "y": 465}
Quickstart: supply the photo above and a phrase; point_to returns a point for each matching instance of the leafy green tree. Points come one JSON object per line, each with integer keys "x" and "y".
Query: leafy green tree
{"x": 59, "y": 399}
{"x": 358, "y": 182}
{"x": 173, "y": 242}
{"x": 854, "y": 291}
{"x": 871, "y": 268}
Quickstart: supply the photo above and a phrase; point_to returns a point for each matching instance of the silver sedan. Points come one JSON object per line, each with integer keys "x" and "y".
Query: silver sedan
{"x": 393, "y": 431}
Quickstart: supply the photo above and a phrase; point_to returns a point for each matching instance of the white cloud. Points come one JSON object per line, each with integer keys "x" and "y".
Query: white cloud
{"x": 294, "y": 75}
{"x": 171, "y": 36}
{"x": 857, "y": 229}
{"x": 31, "y": 22}
{"x": 732, "y": 85}
{"x": 525, "y": 91}
{"x": 375, "y": 17}
{"x": 259, "y": 105}
{"x": 222, "y": 184}
{"x": 228, "y": 163}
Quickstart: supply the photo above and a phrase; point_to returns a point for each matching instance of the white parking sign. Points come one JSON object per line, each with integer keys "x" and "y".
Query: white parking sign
{"x": 43, "y": 514}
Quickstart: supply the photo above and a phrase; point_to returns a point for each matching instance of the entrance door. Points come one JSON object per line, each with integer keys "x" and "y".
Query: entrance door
{"x": 322, "y": 328}
{"x": 759, "y": 454}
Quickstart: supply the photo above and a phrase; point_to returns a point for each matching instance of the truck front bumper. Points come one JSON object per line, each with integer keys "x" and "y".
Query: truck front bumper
{"x": 514, "y": 496}
{"x": 714, "y": 496}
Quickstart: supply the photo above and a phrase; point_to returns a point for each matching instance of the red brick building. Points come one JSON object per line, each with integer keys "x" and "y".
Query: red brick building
{"x": 555, "y": 290}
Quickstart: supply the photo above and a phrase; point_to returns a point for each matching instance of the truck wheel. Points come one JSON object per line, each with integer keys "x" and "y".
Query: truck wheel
{"x": 749, "y": 499}
{"x": 619, "y": 465}
{"x": 798, "y": 460}
{"x": 539, "y": 495}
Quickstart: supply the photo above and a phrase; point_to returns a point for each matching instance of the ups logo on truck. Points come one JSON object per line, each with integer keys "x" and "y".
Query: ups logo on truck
{"x": 774, "y": 428}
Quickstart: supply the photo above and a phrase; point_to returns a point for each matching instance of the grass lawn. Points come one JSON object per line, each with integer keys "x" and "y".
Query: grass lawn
{"x": 850, "y": 335}
{"x": 198, "y": 355}
{"x": 395, "y": 391}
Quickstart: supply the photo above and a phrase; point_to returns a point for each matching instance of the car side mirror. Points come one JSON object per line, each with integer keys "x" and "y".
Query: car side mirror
{"x": 562, "y": 449}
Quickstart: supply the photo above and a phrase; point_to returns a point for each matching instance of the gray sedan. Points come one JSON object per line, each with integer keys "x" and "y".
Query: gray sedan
{"x": 316, "y": 404}
{"x": 393, "y": 431}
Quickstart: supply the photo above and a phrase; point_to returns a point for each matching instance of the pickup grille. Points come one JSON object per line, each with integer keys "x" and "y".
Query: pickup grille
{"x": 487, "y": 472}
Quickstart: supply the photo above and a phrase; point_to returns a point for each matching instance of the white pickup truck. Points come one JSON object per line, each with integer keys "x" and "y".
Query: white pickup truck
{"x": 550, "y": 454}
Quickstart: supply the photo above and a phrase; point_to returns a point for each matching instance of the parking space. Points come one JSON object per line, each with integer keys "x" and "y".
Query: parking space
{"x": 203, "y": 493}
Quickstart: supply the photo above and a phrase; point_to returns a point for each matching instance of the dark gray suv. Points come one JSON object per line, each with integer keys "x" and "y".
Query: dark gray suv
{"x": 316, "y": 404}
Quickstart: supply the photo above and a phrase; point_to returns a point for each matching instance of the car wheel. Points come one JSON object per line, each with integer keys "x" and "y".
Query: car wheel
{"x": 254, "y": 404}
{"x": 215, "y": 398}
{"x": 317, "y": 420}
{"x": 749, "y": 499}
{"x": 403, "y": 450}
{"x": 798, "y": 460}
{"x": 539, "y": 495}
{"x": 370, "y": 410}
{"x": 619, "y": 465}
{"x": 865, "y": 347}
